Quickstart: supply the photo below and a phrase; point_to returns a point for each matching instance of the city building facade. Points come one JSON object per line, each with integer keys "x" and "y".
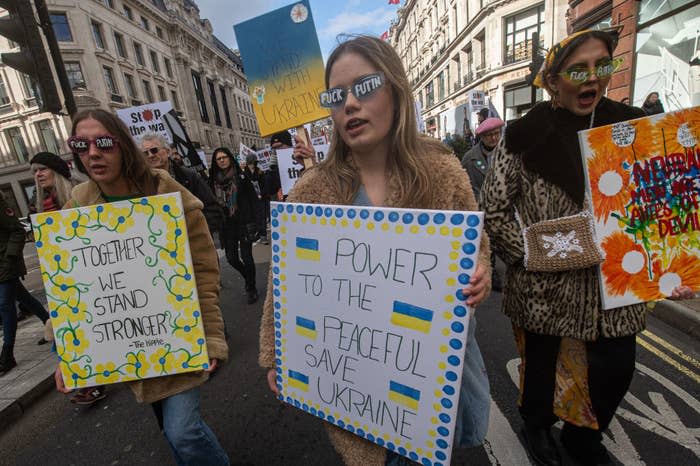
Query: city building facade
{"x": 123, "y": 53}
{"x": 452, "y": 48}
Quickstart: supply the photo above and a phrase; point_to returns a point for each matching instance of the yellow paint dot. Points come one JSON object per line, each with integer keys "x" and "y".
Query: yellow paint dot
{"x": 414, "y": 229}
{"x": 313, "y": 220}
{"x": 283, "y": 277}
{"x": 430, "y": 230}
{"x": 442, "y": 365}
{"x": 386, "y": 437}
{"x": 441, "y": 380}
{"x": 451, "y": 282}
{"x": 444, "y": 230}
{"x": 303, "y": 219}
{"x": 454, "y": 255}
{"x": 284, "y": 331}
{"x": 365, "y": 428}
{"x": 370, "y": 226}
{"x": 284, "y": 242}
{"x": 332, "y": 221}
{"x": 346, "y": 420}
{"x": 344, "y": 222}
{"x": 449, "y": 298}
{"x": 453, "y": 267}
{"x": 283, "y": 253}
{"x": 375, "y": 432}
{"x": 336, "y": 415}
{"x": 357, "y": 223}
{"x": 284, "y": 322}
{"x": 283, "y": 229}
{"x": 385, "y": 226}
{"x": 443, "y": 349}
{"x": 431, "y": 432}
{"x": 429, "y": 454}
{"x": 447, "y": 315}
{"x": 294, "y": 218}
{"x": 322, "y": 221}
{"x": 284, "y": 312}
{"x": 429, "y": 444}
{"x": 437, "y": 407}
{"x": 356, "y": 424}
{"x": 456, "y": 232}
{"x": 285, "y": 217}
{"x": 456, "y": 244}
{"x": 446, "y": 332}
{"x": 419, "y": 451}
{"x": 409, "y": 446}
{"x": 284, "y": 300}
{"x": 436, "y": 393}
{"x": 283, "y": 264}
{"x": 397, "y": 441}
{"x": 283, "y": 288}
{"x": 399, "y": 229}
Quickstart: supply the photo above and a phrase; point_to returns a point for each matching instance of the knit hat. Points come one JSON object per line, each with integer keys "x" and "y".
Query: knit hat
{"x": 52, "y": 161}
{"x": 488, "y": 125}
{"x": 283, "y": 136}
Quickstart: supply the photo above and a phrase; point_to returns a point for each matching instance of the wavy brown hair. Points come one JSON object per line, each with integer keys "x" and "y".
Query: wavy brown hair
{"x": 407, "y": 148}
{"x": 134, "y": 167}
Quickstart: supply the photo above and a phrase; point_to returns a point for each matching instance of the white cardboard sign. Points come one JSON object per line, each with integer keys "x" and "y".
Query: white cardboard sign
{"x": 146, "y": 119}
{"x": 290, "y": 170}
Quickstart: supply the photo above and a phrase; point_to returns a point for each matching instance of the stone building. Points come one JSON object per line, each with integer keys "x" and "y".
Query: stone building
{"x": 121, "y": 53}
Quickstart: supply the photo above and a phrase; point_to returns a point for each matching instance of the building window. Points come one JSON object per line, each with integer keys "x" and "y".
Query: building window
{"x": 518, "y": 100}
{"x": 168, "y": 67}
{"x": 175, "y": 101}
{"x": 159, "y": 32}
{"x": 147, "y": 92}
{"x": 119, "y": 42}
{"x": 48, "y": 137}
{"x": 109, "y": 3}
{"x": 61, "y": 28}
{"x": 29, "y": 86}
{"x": 138, "y": 51}
{"x": 17, "y": 145}
{"x": 75, "y": 74}
{"x": 199, "y": 92}
{"x": 429, "y": 96}
{"x": 224, "y": 103}
{"x": 650, "y": 9}
{"x": 161, "y": 94}
{"x": 145, "y": 23}
{"x": 130, "y": 86}
{"x": 128, "y": 13}
{"x": 97, "y": 34}
{"x": 519, "y": 30}
{"x": 212, "y": 99}
{"x": 4, "y": 97}
{"x": 155, "y": 62}
{"x": 441, "y": 85}
{"x": 109, "y": 80}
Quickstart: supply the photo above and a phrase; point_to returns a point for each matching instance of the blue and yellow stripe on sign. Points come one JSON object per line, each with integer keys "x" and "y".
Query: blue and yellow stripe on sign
{"x": 410, "y": 316}
{"x": 298, "y": 380}
{"x": 404, "y": 395}
{"x": 306, "y": 327}
{"x": 307, "y": 249}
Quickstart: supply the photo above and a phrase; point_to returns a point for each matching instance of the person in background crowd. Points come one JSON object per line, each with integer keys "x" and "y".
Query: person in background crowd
{"x": 175, "y": 156}
{"x": 377, "y": 158}
{"x": 257, "y": 177}
{"x": 118, "y": 171}
{"x": 235, "y": 193}
{"x": 477, "y": 163}
{"x": 652, "y": 105}
{"x": 273, "y": 184}
{"x": 157, "y": 152}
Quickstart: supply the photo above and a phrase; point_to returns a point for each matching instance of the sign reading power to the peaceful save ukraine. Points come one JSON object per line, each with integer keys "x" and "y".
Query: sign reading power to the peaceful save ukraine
{"x": 370, "y": 320}
{"x": 121, "y": 290}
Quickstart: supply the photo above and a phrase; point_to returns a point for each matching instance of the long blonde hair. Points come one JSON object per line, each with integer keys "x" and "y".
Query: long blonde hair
{"x": 407, "y": 148}
{"x": 62, "y": 186}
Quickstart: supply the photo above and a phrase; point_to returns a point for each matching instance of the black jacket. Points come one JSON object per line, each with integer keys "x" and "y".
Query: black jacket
{"x": 195, "y": 184}
{"x": 11, "y": 244}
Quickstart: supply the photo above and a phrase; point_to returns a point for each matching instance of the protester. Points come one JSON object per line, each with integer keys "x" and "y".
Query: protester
{"x": 273, "y": 184}
{"x": 157, "y": 152}
{"x": 477, "y": 163}
{"x": 118, "y": 171}
{"x": 236, "y": 195}
{"x": 257, "y": 177}
{"x": 175, "y": 156}
{"x": 377, "y": 158}
{"x": 652, "y": 105}
{"x": 578, "y": 359}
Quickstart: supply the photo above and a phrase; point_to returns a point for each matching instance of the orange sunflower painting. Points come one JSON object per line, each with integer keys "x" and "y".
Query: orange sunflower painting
{"x": 684, "y": 270}
{"x": 609, "y": 183}
{"x": 625, "y": 261}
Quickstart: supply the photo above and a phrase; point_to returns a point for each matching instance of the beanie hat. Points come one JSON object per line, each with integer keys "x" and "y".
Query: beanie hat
{"x": 52, "y": 161}
{"x": 488, "y": 125}
{"x": 283, "y": 136}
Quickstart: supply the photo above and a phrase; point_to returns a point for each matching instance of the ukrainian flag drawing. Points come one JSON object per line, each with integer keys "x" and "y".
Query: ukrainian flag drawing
{"x": 306, "y": 328}
{"x": 404, "y": 395}
{"x": 410, "y": 316}
{"x": 298, "y": 380}
{"x": 307, "y": 249}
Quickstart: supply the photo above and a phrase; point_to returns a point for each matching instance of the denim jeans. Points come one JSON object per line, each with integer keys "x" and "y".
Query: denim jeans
{"x": 191, "y": 440}
{"x": 8, "y": 311}
{"x": 25, "y": 298}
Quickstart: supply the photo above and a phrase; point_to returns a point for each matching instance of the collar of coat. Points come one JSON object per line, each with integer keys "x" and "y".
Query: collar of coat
{"x": 88, "y": 193}
{"x": 547, "y": 140}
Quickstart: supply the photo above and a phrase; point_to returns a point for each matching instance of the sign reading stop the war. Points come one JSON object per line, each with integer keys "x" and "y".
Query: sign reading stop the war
{"x": 146, "y": 119}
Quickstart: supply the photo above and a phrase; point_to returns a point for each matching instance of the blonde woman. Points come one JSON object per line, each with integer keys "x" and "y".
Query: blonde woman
{"x": 52, "y": 182}
{"x": 377, "y": 158}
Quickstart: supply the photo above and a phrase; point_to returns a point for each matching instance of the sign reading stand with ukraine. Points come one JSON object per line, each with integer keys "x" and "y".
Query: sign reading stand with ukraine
{"x": 284, "y": 66}
{"x": 370, "y": 320}
{"x": 121, "y": 290}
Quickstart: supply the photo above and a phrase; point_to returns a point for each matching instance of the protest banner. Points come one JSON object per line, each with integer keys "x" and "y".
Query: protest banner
{"x": 643, "y": 178}
{"x": 191, "y": 157}
{"x": 264, "y": 158}
{"x": 370, "y": 335}
{"x": 284, "y": 67}
{"x": 121, "y": 290}
{"x": 290, "y": 169}
{"x": 146, "y": 119}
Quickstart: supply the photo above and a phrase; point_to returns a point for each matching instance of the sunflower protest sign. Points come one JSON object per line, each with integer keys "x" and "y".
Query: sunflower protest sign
{"x": 644, "y": 183}
{"x": 121, "y": 290}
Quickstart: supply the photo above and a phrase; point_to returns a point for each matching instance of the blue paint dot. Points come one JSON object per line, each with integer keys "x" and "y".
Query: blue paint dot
{"x": 278, "y": 342}
{"x": 426, "y": 462}
{"x": 100, "y": 208}
{"x": 463, "y": 278}
{"x": 309, "y": 210}
{"x": 275, "y": 223}
{"x": 453, "y": 360}
{"x": 331, "y": 419}
{"x": 188, "y": 277}
{"x": 445, "y": 418}
{"x": 64, "y": 287}
{"x": 195, "y": 313}
{"x": 280, "y": 208}
{"x": 459, "y": 294}
{"x": 179, "y": 297}
{"x": 444, "y": 431}
{"x": 339, "y": 212}
{"x": 352, "y": 213}
{"x": 393, "y": 216}
{"x": 161, "y": 360}
{"x": 121, "y": 219}
{"x": 49, "y": 221}
{"x": 276, "y": 292}
{"x": 360, "y": 432}
{"x": 460, "y": 311}
{"x": 200, "y": 341}
{"x": 468, "y": 248}
{"x": 439, "y": 219}
{"x": 76, "y": 342}
{"x": 340, "y": 423}
{"x": 39, "y": 244}
{"x": 457, "y": 327}
{"x": 205, "y": 365}
{"x": 413, "y": 456}
{"x": 275, "y": 248}
{"x": 74, "y": 224}
{"x": 57, "y": 258}
{"x": 313, "y": 411}
{"x": 305, "y": 407}
{"x": 187, "y": 328}
{"x": 144, "y": 201}
{"x": 290, "y": 208}
{"x": 278, "y": 361}
{"x": 138, "y": 365}
{"x": 471, "y": 234}
{"x": 276, "y": 282}
{"x": 178, "y": 232}
{"x": 364, "y": 214}
{"x": 166, "y": 208}
{"x": 466, "y": 263}
{"x": 350, "y": 428}
{"x": 105, "y": 373}
{"x": 278, "y": 315}
{"x": 319, "y": 211}
{"x": 456, "y": 343}
{"x": 370, "y": 437}
{"x": 449, "y": 390}
{"x": 407, "y": 218}
{"x": 54, "y": 314}
{"x": 276, "y": 258}
{"x": 275, "y": 236}
{"x": 472, "y": 220}
{"x": 278, "y": 335}
{"x": 289, "y": 400}
{"x": 279, "y": 378}
{"x": 441, "y": 456}
{"x": 273, "y": 213}
{"x": 402, "y": 451}
{"x": 276, "y": 270}
{"x": 423, "y": 219}
{"x": 391, "y": 446}
{"x": 456, "y": 219}
{"x": 75, "y": 310}
{"x": 441, "y": 443}
{"x": 300, "y": 209}
{"x": 74, "y": 376}
{"x": 328, "y": 212}
{"x": 380, "y": 441}
{"x": 278, "y": 305}
{"x": 296, "y": 403}
{"x": 173, "y": 254}
{"x": 378, "y": 216}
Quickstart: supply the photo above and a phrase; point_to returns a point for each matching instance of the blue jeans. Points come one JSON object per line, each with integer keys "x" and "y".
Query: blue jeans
{"x": 191, "y": 440}
{"x": 25, "y": 298}
{"x": 8, "y": 311}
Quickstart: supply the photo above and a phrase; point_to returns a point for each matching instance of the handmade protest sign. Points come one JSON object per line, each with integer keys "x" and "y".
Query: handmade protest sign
{"x": 146, "y": 119}
{"x": 121, "y": 290}
{"x": 290, "y": 170}
{"x": 370, "y": 320}
{"x": 643, "y": 178}
{"x": 283, "y": 63}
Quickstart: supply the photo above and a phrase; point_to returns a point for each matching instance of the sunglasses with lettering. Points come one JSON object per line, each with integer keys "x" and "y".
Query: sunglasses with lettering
{"x": 152, "y": 151}
{"x": 362, "y": 89}
{"x": 79, "y": 144}
{"x": 580, "y": 74}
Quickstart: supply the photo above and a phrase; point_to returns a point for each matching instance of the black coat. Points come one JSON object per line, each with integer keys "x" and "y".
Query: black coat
{"x": 195, "y": 184}
{"x": 11, "y": 244}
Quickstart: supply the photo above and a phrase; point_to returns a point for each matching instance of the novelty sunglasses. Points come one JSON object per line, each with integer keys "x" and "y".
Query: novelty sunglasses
{"x": 580, "y": 74}
{"x": 80, "y": 145}
{"x": 362, "y": 89}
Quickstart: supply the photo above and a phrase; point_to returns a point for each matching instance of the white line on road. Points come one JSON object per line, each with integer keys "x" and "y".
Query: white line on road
{"x": 502, "y": 445}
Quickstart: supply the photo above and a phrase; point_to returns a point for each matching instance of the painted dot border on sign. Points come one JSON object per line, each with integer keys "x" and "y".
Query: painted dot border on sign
{"x": 462, "y": 228}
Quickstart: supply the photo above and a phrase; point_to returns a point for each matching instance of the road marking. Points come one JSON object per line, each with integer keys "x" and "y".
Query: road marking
{"x": 502, "y": 445}
{"x": 664, "y": 357}
{"x": 679, "y": 353}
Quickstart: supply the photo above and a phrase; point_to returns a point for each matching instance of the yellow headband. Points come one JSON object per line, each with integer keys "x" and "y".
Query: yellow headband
{"x": 554, "y": 53}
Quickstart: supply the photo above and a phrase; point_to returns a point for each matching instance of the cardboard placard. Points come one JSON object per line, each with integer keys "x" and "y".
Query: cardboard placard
{"x": 146, "y": 119}
{"x": 370, "y": 319}
{"x": 121, "y": 290}
{"x": 290, "y": 170}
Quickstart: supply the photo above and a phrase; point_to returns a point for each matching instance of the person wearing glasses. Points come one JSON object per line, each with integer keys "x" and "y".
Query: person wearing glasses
{"x": 578, "y": 359}
{"x": 378, "y": 158}
{"x": 103, "y": 149}
{"x": 158, "y": 154}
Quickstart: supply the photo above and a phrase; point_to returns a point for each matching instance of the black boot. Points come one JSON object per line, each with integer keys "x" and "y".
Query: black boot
{"x": 540, "y": 445}
{"x": 7, "y": 360}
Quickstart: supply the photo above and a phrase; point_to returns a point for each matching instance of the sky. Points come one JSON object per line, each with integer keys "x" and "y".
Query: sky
{"x": 331, "y": 17}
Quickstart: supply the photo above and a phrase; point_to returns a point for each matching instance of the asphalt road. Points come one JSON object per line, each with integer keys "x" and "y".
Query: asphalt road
{"x": 658, "y": 423}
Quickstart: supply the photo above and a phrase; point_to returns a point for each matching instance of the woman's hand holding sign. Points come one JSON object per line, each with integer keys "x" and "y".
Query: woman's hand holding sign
{"x": 476, "y": 289}
{"x": 302, "y": 150}
{"x": 271, "y": 376}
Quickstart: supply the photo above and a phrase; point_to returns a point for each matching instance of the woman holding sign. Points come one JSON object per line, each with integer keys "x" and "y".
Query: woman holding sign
{"x": 377, "y": 158}
{"x": 578, "y": 359}
{"x": 103, "y": 149}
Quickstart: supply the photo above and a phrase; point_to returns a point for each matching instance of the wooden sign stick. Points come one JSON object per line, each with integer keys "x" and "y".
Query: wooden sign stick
{"x": 304, "y": 136}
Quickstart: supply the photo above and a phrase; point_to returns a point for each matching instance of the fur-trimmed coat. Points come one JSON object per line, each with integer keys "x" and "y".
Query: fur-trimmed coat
{"x": 452, "y": 192}
{"x": 565, "y": 303}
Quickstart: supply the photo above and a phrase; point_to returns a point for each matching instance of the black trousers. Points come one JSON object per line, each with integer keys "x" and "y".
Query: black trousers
{"x": 610, "y": 370}
{"x": 243, "y": 261}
